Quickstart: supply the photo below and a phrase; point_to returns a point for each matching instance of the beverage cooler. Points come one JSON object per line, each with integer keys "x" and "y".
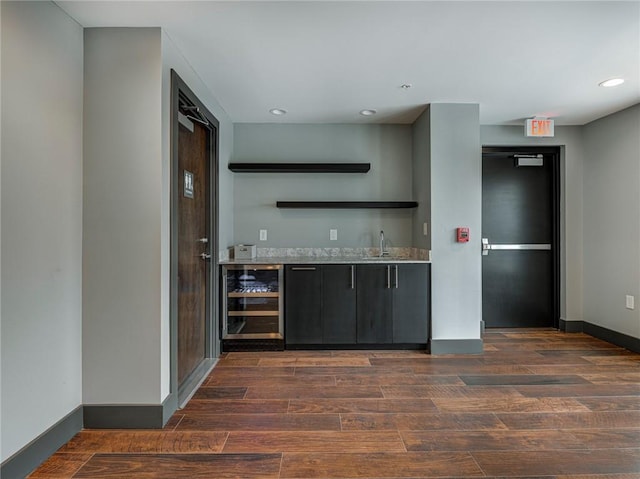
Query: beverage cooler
{"x": 252, "y": 307}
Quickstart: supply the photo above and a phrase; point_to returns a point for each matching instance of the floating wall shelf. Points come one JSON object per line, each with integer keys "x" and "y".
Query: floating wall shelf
{"x": 347, "y": 204}
{"x": 300, "y": 167}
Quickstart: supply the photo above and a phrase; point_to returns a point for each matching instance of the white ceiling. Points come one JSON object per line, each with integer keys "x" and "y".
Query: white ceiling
{"x": 324, "y": 61}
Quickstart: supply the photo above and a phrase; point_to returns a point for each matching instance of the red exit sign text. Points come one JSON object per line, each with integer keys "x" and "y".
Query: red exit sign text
{"x": 538, "y": 127}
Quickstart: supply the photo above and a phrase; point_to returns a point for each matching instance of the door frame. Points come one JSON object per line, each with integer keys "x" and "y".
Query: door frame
{"x": 180, "y": 92}
{"x": 554, "y": 152}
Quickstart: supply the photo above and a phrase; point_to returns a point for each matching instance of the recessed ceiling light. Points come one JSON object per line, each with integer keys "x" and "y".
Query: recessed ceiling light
{"x": 612, "y": 82}
{"x": 278, "y": 111}
{"x": 368, "y": 112}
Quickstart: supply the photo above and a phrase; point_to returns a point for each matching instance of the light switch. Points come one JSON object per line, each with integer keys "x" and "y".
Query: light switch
{"x": 425, "y": 229}
{"x": 333, "y": 235}
{"x": 263, "y": 235}
{"x": 630, "y": 302}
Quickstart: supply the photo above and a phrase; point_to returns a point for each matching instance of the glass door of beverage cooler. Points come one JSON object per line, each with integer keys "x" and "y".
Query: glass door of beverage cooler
{"x": 253, "y": 303}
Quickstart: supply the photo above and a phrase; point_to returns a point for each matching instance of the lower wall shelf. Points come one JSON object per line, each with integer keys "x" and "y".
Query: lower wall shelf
{"x": 347, "y": 204}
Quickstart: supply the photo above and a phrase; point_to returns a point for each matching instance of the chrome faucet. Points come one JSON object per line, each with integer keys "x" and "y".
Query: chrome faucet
{"x": 383, "y": 251}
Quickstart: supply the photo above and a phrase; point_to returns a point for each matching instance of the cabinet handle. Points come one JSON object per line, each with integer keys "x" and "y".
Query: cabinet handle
{"x": 303, "y": 268}
{"x": 224, "y": 306}
{"x": 388, "y": 276}
{"x": 353, "y": 277}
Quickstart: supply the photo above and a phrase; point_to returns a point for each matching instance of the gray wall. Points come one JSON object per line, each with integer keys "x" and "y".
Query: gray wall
{"x": 41, "y": 220}
{"x": 386, "y": 147}
{"x": 127, "y": 210}
{"x": 122, "y": 216}
{"x": 421, "y": 171}
{"x": 456, "y": 188}
{"x": 570, "y": 139}
{"x": 612, "y": 221}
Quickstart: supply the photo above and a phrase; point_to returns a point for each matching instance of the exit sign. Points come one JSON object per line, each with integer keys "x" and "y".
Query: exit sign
{"x": 538, "y": 127}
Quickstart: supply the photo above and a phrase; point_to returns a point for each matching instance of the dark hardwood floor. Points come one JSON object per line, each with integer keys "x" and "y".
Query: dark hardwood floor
{"x": 536, "y": 403}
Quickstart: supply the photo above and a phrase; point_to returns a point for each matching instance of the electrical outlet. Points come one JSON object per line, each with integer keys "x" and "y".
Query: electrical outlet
{"x": 425, "y": 229}
{"x": 263, "y": 235}
{"x": 333, "y": 235}
{"x": 630, "y": 302}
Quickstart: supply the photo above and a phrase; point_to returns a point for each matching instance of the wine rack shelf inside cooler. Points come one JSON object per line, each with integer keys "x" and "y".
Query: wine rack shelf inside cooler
{"x": 252, "y": 302}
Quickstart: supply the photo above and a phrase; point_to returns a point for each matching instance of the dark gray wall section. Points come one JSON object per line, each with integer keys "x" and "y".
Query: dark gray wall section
{"x": 456, "y": 346}
{"x": 124, "y": 417}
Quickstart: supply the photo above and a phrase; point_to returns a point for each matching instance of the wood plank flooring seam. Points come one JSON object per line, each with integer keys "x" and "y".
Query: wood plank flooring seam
{"x": 477, "y": 464}
{"x": 226, "y": 439}
{"x": 280, "y": 469}
{"x": 82, "y": 465}
{"x": 178, "y": 422}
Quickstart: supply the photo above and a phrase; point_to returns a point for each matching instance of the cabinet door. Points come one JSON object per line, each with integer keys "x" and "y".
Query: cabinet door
{"x": 374, "y": 307}
{"x": 339, "y": 304}
{"x": 411, "y": 291}
{"x": 303, "y": 296}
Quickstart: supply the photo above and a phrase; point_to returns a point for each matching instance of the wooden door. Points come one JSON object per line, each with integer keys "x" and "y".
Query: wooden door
{"x": 519, "y": 287}
{"x": 193, "y": 247}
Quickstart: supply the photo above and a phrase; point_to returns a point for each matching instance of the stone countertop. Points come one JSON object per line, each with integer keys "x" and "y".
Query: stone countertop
{"x": 333, "y": 256}
{"x": 325, "y": 260}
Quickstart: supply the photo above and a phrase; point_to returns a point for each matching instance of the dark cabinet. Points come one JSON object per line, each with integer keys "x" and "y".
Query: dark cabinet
{"x": 393, "y": 303}
{"x": 339, "y": 304}
{"x": 303, "y": 304}
{"x": 374, "y": 304}
{"x": 320, "y": 305}
{"x": 411, "y": 300}
{"x": 357, "y": 304}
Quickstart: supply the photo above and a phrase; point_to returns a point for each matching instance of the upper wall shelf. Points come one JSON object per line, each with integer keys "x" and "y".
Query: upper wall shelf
{"x": 300, "y": 167}
{"x": 346, "y": 204}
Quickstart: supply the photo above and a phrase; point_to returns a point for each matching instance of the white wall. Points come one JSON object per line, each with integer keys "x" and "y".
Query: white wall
{"x": 123, "y": 187}
{"x": 612, "y": 221}
{"x": 386, "y": 147}
{"x": 41, "y": 220}
{"x": 570, "y": 139}
{"x": 172, "y": 58}
{"x": 456, "y": 193}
